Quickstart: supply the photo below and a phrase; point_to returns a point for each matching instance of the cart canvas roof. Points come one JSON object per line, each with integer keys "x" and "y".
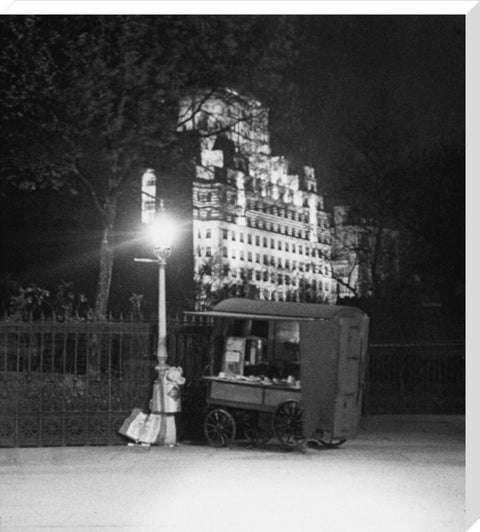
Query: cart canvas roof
{"x": 252, "y": 308}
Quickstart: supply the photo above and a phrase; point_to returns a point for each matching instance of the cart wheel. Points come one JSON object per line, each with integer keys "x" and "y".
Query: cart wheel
{"x": 334, "y": 443}
{"x": 287, "y": 423}
{"x": 256, "y": 428}
{"x": 219, "y": 428}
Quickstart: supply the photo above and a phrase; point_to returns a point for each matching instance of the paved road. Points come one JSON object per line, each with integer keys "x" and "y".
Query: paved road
{"x": 400, "y": 474}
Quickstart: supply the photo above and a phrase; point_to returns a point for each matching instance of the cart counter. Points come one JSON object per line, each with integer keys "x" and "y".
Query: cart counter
{"x": 248, "y": 395}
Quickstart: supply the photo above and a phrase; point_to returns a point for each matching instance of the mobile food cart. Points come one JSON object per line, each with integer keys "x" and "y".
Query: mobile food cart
{"x": 290, "y": 370}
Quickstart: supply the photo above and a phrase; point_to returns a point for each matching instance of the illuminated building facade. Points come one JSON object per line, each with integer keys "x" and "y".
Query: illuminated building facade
{"x": 257, "y": 230}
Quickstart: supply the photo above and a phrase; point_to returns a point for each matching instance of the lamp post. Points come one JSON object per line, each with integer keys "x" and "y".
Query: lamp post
{"x": 162, "y": 231}
{"x": 166, "y": 387}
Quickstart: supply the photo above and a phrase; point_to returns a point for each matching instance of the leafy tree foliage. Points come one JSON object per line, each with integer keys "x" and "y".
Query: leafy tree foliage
{"x": 88, "y": 103}
{"x": 418, "y": 196}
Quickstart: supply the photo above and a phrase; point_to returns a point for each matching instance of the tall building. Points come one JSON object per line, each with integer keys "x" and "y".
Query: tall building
{"x": 257, "y": 229}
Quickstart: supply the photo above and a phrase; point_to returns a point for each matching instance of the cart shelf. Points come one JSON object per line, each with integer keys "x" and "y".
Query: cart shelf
{"x": 249, "y": 395}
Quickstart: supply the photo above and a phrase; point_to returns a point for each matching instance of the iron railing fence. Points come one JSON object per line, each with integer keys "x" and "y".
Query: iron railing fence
{"x": 416, "y": 378}
{"x": 73, "y": 383}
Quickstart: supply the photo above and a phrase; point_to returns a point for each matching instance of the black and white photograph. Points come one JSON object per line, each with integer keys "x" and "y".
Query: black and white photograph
{"x": 232, "y": 267}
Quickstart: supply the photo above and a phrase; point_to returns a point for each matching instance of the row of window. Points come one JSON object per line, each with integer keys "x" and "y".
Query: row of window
{"x": 277, "y": 211}
{"x": 269, "y": 260}
{"x": 206, "y": 197}
{"x": 206, "y": 214}
{"x": 279, "y": 262}
{"x": 274, "y": 278}
{"x": 264, "y": 242}
{"x": 277, "y": 228}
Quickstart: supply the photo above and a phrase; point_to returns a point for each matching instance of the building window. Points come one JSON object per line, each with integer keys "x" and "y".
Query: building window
{"x": 249, "y": 238}
{"x": 225, "y": 234}
{"x": 287, "y": 246}
{"x": 307, "y": 251}
{"x": 257, "y": 240}
{"x": 257, "y": 258}
{"x": 279, "y": 244}
{"x": 250, "y": 275}
{"x": 209, "y": 196}
{"x": 265, "y": 276}
{"x": 265, "y": 260}
{"x": 300, "y": 250}
{"x": 279, "y": 262}
{"x": 287, "y": 263}
{"x": 225, "y": 270}
{"x": 265, "y": 242}
{"x": 272, "y": 261}
{"x": 199, "y": 234}
{"x": 208, "y": 233}
{"x": 225, "y": 252}
{"x": 249, "y": 256}
{"x": 257, "y": 276}
{"x": 234, "y": 236}
{"x": 242, "y": 255}
{"x": 294, "y": 248}
{"x": 241, "y": 237}
{"x": 272, "y": 243}
{"x": 209, "y": 252}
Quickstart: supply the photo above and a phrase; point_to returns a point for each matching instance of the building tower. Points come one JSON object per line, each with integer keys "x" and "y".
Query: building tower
{"x": 257, "y": 229}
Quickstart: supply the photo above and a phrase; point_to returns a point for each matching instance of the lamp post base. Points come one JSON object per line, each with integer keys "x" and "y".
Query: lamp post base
{"x": 166, "y": 402}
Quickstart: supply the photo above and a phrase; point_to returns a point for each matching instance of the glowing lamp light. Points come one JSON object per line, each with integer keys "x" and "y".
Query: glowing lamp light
{"x": 162, "y": 231}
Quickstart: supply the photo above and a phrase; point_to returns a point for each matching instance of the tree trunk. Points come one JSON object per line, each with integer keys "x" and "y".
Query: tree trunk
{"x": 106, "y": 264}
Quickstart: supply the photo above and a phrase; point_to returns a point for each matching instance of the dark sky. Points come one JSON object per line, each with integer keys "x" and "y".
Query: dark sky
{"x": 355, "y": 66}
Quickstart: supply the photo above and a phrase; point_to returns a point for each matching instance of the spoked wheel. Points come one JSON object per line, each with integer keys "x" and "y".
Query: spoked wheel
{"x": 287, "y": 424}
{"x": 256, "y": 427}
{"x": 219, "y": 427}
{"x": 334, "y": 443}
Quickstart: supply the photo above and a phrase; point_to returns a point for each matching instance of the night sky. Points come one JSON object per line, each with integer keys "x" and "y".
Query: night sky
{"x": 413, "y": 66}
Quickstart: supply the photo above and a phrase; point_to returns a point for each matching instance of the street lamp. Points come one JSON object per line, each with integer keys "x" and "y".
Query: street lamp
{"x": 166, "y": 387}
{"x": 162, "y": 231}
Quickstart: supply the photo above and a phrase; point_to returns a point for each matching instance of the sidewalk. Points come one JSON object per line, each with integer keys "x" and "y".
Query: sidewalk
{"x": 401, "y": 473}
